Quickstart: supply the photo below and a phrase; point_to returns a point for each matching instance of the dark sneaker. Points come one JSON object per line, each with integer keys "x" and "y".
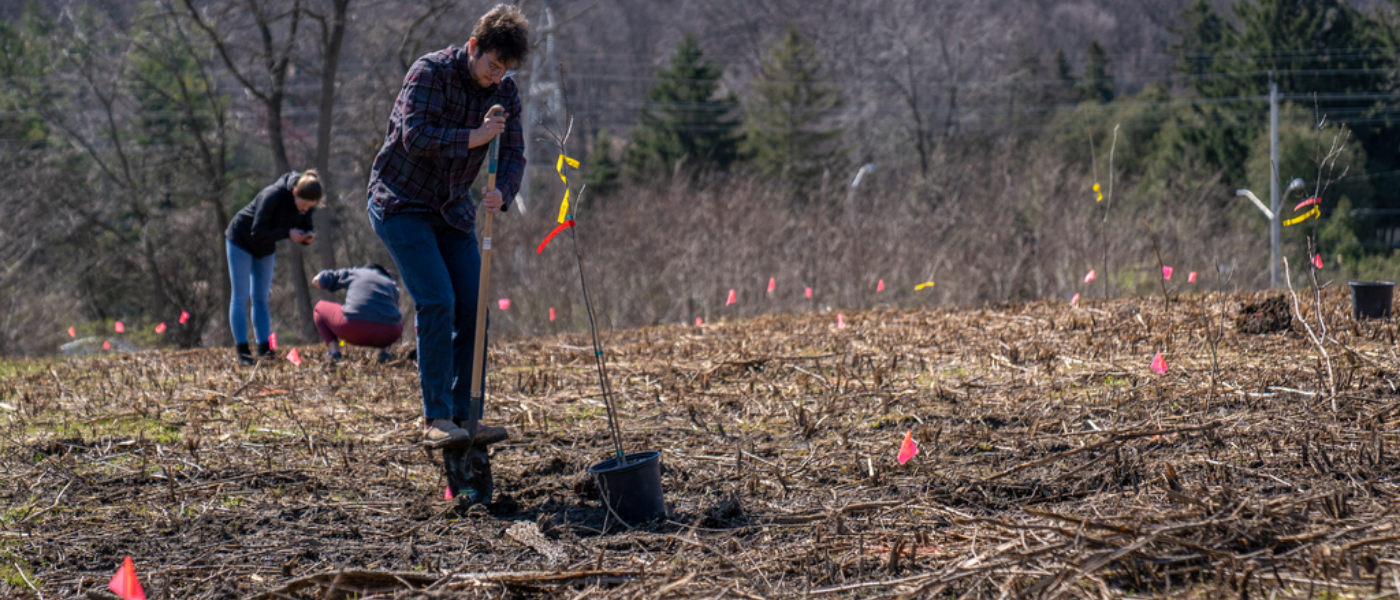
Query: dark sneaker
{"x": 384, "y": 356}
{"x": 333, "y": 354}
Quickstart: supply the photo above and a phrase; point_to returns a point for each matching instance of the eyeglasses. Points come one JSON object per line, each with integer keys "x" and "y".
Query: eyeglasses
{"x": 494, "y": 69}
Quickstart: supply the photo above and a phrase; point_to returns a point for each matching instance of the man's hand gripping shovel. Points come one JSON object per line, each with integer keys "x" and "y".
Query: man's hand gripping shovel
{"x": 469, "y": 465}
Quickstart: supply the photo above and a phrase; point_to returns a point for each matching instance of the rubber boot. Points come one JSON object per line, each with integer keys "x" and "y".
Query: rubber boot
{"x": 245, "y": 356}
{"x": 264, "y": 351}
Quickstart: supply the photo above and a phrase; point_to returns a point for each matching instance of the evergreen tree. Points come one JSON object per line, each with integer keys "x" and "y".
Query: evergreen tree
{"x": 785, "y": 132}
{"x": 600, "y": 172}
{"x": 1097, "y": 84}
{"x": 1201, "y": 52}
{"x": 683, "y": 123}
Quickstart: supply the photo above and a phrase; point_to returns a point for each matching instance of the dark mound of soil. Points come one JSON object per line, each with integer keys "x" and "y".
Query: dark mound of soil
{"x": 1266, "y": 316}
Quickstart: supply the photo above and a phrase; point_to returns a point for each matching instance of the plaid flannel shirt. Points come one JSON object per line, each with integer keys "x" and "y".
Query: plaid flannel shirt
{"x": 425, "y": 164}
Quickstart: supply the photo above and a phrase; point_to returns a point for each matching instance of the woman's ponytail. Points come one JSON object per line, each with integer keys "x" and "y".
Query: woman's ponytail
{"x": 308, "y": 186}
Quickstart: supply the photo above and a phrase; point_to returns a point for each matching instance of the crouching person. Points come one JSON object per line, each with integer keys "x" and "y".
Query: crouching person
{"x": 370, "y": 316}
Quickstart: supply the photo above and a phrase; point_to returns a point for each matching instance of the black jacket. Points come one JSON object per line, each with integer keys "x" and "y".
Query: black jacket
{"x": 269, "y": 218}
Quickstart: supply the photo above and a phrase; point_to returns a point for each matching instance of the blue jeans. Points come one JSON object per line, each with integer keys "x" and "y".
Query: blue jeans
{"x": 441, "y": 267}
{"x": 250, "y": 277}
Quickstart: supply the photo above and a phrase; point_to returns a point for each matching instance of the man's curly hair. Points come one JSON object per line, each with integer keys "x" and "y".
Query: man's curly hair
{"x": 504, "y": 31}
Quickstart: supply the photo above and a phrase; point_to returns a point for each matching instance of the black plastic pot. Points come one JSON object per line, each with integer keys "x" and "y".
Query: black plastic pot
{"x": 633, "y": 491}
{"x": 1371, "y": 299}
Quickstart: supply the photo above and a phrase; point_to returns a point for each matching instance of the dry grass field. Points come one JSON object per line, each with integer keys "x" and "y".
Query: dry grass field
{"x": 1054, "y": 464}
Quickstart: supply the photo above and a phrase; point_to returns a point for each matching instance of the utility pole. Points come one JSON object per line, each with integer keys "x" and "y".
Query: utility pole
{"x": 543, "y": 86}
{"x": 1274, "y": 229}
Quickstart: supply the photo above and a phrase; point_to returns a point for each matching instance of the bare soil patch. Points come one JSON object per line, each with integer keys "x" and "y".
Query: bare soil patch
{"x": 1054, "y": 463}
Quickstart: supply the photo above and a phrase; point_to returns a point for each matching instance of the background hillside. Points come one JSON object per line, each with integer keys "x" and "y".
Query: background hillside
{"x": 719, "y": 141}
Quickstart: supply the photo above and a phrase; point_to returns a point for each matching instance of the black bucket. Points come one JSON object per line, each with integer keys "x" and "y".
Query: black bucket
{"x": 1371, "y": 299}
{"x": 633, "y": 491}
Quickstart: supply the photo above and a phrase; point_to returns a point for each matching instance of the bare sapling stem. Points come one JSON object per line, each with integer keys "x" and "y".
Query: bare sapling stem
{"x": 1317, "y": 341}
{"x": 1213, "y": 338}
{"x": 1161, "y": 267}
{"x": 1103, "y": 232}
{"x": 561, "y": 140}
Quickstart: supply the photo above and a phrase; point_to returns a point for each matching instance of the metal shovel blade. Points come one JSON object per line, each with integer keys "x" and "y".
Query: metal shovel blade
{"x": 469, "y": 474}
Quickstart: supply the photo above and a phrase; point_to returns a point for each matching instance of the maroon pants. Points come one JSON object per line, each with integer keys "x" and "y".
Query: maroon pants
{"x": 331, "y": 322}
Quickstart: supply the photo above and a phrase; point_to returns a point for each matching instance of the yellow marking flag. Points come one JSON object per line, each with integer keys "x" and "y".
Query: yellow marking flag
{"x": 559, "y": 166}
{"x": 926, "y": 284}
{"x": 1305, "y": 216}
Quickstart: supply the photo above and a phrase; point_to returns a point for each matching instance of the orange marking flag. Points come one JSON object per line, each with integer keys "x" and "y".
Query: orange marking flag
{"x": 1191, "y": 278}
{"x": 1075, "y": 299}
{"x": 1166, "y": 273}
{"x": 880, "y": 287}
{"x": 809, "y": 292}
{"x": 908, "y": 450}
{"x": 1090, "y": 276}
{"x": 1159, "y": 364}
{"x": 698, "y": 322}
{"x": 160, "y": 328}
{"x": 120, "y": 328}
{"x": 72, "y": 332}
{"x": 447, "y": 493}
{"x": 840, "y": 321}
{"x": 772, "y": 284}
{"x": 295, "y": 357}
{"x": 1317, "y": 260}
{"x": 504, "y": 303}
{"x": 125, "y": 584}
{"x": 272, "y": 341}
{"x": 551, "y": 313}
{"x": 557, "y": 230}
{"x": 184, "y": 317}
{"x": 732, "y": 298}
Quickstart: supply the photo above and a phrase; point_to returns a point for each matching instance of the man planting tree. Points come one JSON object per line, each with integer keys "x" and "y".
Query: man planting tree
{"x": 421, "y": 205}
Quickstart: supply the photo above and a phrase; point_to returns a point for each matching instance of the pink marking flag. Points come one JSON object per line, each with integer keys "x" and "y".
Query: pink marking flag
{"x": 120, "y": 328}
{"x": 1090, "y": 276}
{"x": 551, "y": 313}
{"x": 125, "y": 584}
{"x": 809, "y": 292}
{"x": 272, "y": 340}
{"x": 106, "y": 344}
{"x": 698, "y": 322}
{"x": 840, "y": 321}
{"x": 504, "y": 303}
{"x": 1159, "y": 364}
{"x": 184, "y": 317}
{"x": 1308, "y": 202}
{"x": 1167, "y": 272}
{"x": 295, "y": 357}
{"x": 732, "y": 298}
{"x": 447, "y": 493}
{"x": 1191, "y": 277}
{"x": 72, "y": 332}
{"x": 908, "y": 450}
{"x": 772, "y": 284}
{"x": 880, "y": 287}
{"x": 160, "y": 328}
{"x": 1317, "y": 260}
{"x": 1074, "y": 300}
